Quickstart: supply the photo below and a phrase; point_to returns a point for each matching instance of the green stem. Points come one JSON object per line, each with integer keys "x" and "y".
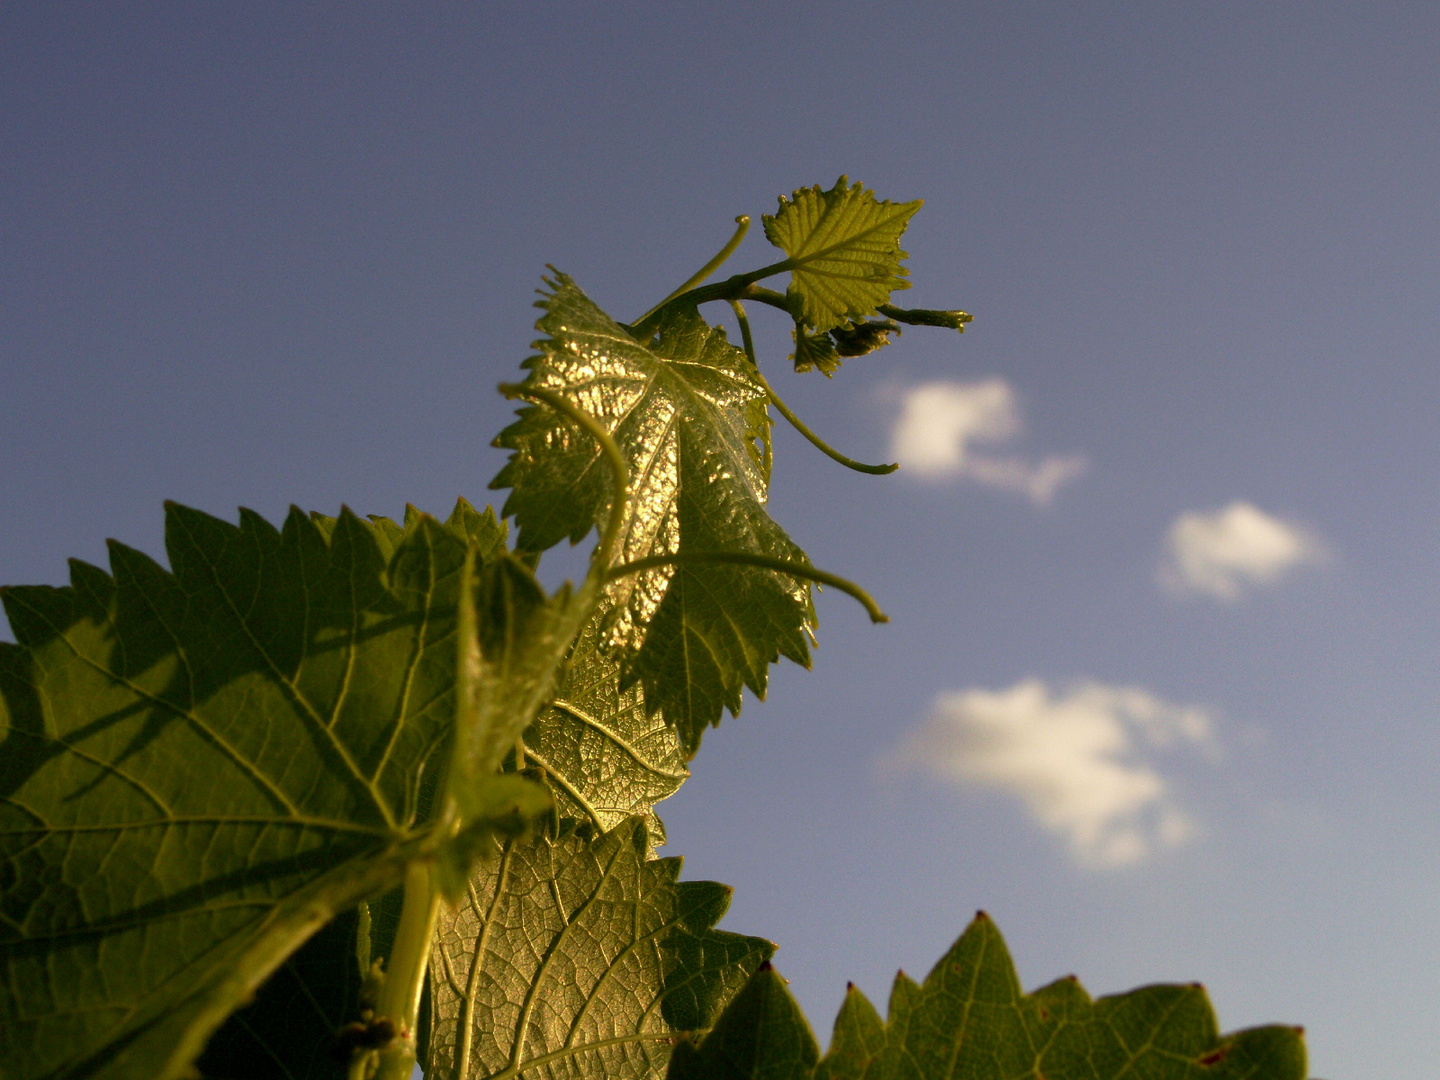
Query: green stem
{"x": 767, "y": 562}
{"x": 767, "y": 452}
{"x": 732, "y": 288}
{"x": 795, "y": 422}
{"x": 606, "y": 550}
{"x": 768, "y": 296}
{"x": 820, "y": 444}
{"x": 405, "y": 974}
{"x": 743, "y": 223}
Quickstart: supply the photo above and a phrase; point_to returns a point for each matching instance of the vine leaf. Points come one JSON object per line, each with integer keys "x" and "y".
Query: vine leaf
{"x": 763, "y": 1033}
{"x": 824, "y": 350}
{"x": 201, "y": 767}
{"x": 688, "y": 413}
{"x": 969, "y": 1020}
{"x": 844, "y": 251}
{"x": 580, "y": 957}
{"x": 605, "y": 756}
{"x": 289, "y": 1032}
{"x": 814, "y": 351}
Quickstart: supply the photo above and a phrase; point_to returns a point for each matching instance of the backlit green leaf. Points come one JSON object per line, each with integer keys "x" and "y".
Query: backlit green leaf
{"x": 203, "y": 766}
{"x": 844, "y": 251}
{"x": 688, "y": 414}
{"x": 580, "y": 958}
{"x": 605, "y": 756}
{"x": 970, "y": 1020}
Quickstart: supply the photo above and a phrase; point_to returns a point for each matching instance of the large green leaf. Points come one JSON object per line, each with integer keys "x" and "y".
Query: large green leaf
{"x": 605, "y": 756}
{"x": 202, "y": 767}
{"x": 688, "y": 414}
{"x": 291, "y": 1031}
{"x": 844, "y": 251}
{"x": 580, "y": 958}
{"x": 970, "y": 1020}
{"x": 296, "y": 1026}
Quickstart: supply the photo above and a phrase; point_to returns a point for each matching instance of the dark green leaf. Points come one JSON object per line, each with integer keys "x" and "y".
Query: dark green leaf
{"x": 201, "y": 767}
{"x": 844, "y": 251}
{"x": 763, "y": 1035}
{"x": 580, "y": 958}
{"x": 970, "y": 1020}
{"x": 291, "y": 1030}
{"x": 688, "y": 414}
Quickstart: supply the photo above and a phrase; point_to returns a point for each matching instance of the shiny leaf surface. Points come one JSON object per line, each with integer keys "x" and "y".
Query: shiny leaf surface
{"x": 688, "y": 414}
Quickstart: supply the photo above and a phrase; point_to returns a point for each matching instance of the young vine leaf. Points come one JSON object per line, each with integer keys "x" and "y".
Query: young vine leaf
{"x": 970, "y": 1020}
{"x": 844, "y": 252}
{"x": 689, "y": 415}
{"x": 202, "y": 766}
{"x": 580, "y": 958}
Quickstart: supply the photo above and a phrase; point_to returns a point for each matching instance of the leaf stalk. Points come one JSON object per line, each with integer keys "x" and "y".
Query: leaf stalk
{"x": 743, "y": 226}
{"x": 400, "y": 996}
{"x": 795, "y": 421}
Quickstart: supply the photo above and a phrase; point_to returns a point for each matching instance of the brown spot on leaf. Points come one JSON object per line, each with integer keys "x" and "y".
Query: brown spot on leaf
{"x": 1212, "y": 1057}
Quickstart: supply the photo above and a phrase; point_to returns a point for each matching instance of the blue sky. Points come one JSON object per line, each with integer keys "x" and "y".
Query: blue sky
{"x": 269, "y": 254}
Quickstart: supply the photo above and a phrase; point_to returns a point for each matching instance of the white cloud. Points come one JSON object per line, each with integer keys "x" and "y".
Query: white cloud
{"x": 1221, "y": 554}
{"x": 942, "y": 423}
{"x": 1076, "y": 760}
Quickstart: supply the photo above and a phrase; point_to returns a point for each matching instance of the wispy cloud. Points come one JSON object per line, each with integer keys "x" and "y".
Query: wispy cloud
{"x": 1076, "y": 760}
{"x": 1221, "y": 554}
{"x": 941, "y": 424}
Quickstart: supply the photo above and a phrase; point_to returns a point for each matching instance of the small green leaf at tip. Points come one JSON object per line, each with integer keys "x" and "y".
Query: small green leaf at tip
{"x": 844, "y": 251}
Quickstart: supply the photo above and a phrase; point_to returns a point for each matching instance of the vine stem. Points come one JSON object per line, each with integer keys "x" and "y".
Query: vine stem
{"x": 785, "y": 411}
{"x": 400, "y": 995}
{"x": 743, "y": 226}
{"x": 767, "y": 562}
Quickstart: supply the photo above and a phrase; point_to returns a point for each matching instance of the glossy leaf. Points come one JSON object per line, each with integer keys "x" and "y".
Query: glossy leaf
{"x": 580, "y": 958}
{"x": 970, "y": 1020}
{"x": 844, "y": 251}
{"x": 688, "y": 413}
